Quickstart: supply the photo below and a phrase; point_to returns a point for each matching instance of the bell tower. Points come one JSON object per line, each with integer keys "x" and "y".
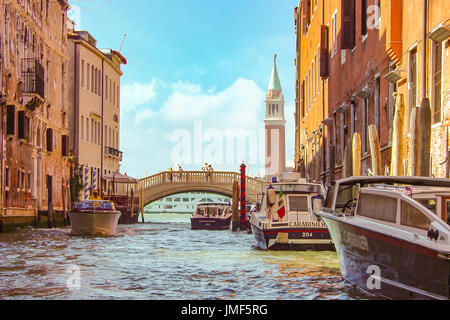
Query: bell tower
{"x": 275, "y": 125}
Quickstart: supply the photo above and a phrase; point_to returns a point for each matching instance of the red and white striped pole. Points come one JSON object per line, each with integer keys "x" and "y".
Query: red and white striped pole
{"x": 243, "y": 204}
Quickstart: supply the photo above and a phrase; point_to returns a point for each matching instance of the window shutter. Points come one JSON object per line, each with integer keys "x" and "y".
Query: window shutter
{"x": 10, "y": 122}
{"x": 324, "y": 52}
{"x": 49, "y": 140}
{"x": 308, "y": 11}
{"x": 348, "y": 24}
{"x": 65, "y": 145}
{"x": 363, "y": 17}
{"x": 21, "y": 125}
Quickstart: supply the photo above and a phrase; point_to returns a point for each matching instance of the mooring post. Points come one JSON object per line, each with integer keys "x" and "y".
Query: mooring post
{"x": 243, "y": 224}
{"x": 235, "y": 208}
{"x": 374, "y": 142}
{"x": 132, "y": 206}
{"x": 142, "y": 205}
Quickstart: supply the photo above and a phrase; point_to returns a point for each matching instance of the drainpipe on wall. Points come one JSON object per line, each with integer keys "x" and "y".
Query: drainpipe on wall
{"x": 102, "y": 148}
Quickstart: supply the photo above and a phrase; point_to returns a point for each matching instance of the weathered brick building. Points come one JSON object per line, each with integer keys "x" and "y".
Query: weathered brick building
{"x": 35, "y": 168}
{"x": 353, "y": 59}
{"x": 94, "y": 108}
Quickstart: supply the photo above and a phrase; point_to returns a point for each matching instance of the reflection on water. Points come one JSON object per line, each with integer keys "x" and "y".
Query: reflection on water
{"x": 162, "y": 259}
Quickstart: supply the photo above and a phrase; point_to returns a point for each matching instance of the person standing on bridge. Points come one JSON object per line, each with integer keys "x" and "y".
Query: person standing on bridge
{"x": 205, "y": 168}
{"x": 170, "y": 174}
{"x": 210, "y": 170}
{"x": 180, "y": 174}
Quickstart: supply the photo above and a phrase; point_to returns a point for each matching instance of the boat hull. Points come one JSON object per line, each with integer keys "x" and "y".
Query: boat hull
{"x": 296, "y": 239}
{"x": 389, "y": 267}
{"x": 102, "y": 224}
{"x": 205, "y": 223}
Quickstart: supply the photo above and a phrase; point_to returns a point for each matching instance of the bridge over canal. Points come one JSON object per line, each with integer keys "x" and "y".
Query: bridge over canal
{"x": 168, "y": 183}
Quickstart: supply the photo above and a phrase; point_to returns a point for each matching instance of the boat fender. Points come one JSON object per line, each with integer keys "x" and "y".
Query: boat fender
{"x": 433, "y": 234}
{"x": 271, "y": 197}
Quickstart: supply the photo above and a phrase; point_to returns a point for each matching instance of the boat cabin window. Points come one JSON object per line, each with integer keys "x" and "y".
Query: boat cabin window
{"x": 413, "y": 217}
{"x": 298, "y": 203}
{"x": 377, "y": 207}
{"x": 430, "y": 204}
{"x": 344, "y": 198}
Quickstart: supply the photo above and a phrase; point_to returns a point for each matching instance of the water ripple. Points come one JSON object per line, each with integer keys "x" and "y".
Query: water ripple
{"x": 162, "y": 259}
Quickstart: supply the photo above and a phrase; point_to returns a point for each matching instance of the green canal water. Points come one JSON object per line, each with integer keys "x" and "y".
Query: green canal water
{"x": 162, "y": 259}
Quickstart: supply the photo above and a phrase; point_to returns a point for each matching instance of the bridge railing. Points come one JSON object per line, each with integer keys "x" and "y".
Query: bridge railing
{"x": 195, "y": 177}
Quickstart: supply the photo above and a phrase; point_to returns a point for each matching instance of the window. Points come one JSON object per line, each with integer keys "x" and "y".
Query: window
{"x": 377, "y": 103}
{"x": 82, "y": 128}
{"x": 348, "y": 24}
{"x": 412, "y": 217}
{"x": 87, "y": 76}
{"x": 93, "y": 80}
{"x": 364, "y": 17}
{"x": 106, "y": 88}
{"x": 87, "y": 129}
{"x": 92, "y": 130}
{"x": 21, "y": 124}
{"x": 324, "y": 73}
{"x": 412, "y": 78}
{"x": 377, "y": 207}
{"x": 82, "y": 73}
{"x": 437, "y": 83}
{"x": 10, "y": 120}
{"x": 297, "y": 203}
{"x": 96, "y": 81}
{"x": 65, "y": 145}
{"x": 334, "y": 34}
{"x": 49, "y": 140}
{"x": 7, "y": 177}
{"x": 430, "y": 204}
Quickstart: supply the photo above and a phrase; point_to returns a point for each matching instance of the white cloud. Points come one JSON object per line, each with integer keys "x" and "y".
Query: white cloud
{"x": 136, "y": 94}
{"x": 147, "y": 131}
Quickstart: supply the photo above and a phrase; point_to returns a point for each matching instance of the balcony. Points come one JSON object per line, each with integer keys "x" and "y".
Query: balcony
{"x": 33, "y": 77}
{"x": 114, "y": 153}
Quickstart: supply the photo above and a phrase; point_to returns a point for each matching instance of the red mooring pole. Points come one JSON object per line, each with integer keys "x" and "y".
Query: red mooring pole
{"x": 243, "y": 209}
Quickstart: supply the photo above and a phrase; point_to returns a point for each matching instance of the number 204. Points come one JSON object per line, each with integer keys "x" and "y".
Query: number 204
{"x": 307, "y": 235}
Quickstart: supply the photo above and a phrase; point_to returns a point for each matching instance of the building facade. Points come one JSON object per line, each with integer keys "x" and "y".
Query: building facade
{"x": 94, "y": 103}
{"x": 275, "y": 128}
{"x": 355, "y": 61}
{"x": 35, "y": 169}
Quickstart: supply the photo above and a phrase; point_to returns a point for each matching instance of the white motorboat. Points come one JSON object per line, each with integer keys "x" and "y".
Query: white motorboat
{"x": 94, "y": 218}
{"x": 286, "y": 219}
{"x": 392, "y": 234}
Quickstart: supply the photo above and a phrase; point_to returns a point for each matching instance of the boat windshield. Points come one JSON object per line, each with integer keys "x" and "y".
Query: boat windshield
{"x": 211, "y": 211}
{"x": 94, "y": 205}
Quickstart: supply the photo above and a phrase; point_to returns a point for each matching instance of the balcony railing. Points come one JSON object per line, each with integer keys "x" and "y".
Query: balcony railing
{"x": 114, "y": 152}
{"x": 33, "y": 77}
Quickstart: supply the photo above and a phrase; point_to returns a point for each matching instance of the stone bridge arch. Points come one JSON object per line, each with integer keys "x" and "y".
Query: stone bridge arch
{"x": 167, "y": 183}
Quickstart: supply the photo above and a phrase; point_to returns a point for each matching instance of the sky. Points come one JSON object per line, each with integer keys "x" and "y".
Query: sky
{"x": 198, "y": 71}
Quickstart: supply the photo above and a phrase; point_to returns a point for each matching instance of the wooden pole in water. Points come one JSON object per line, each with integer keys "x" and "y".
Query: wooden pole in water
{"x": 348, "y": 163}
{"x": 142, "y": 205}
{"x": 132, "y": 206}
{"x": 235, "y": 219}
{"x": 414, "y": 150}
{"x": 64, "y": 202}
{"x": 356, "y": 154}
{"x": 375, "y": 150}
{"x": 397, "y": 136}
{"x": 332, "y": 163}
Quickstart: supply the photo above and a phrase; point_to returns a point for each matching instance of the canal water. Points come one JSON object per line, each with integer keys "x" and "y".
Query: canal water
{"x": 162, "y": 259}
